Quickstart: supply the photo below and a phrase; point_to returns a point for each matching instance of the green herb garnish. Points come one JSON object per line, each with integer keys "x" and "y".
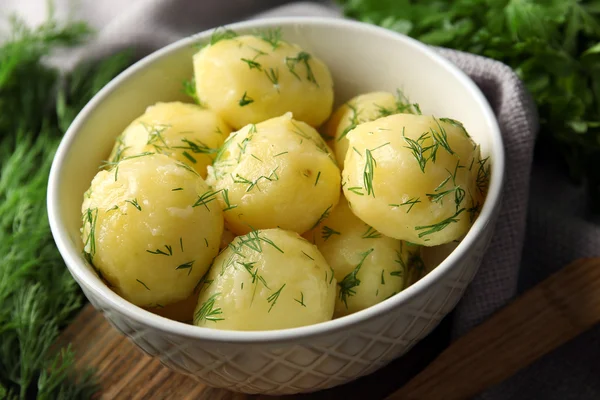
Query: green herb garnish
{"x": 302, "y": 58}
{"x": 327, "y": 232}
{"x": 188, "y": 265}
{"x": 143, "y": 284}
{"x": 350, "y": 281}
{"x": 272, "y": 299}
{"x": 208, "y": 312}
{"x": 271, "y": 36}
{"x": 245, "y": 100}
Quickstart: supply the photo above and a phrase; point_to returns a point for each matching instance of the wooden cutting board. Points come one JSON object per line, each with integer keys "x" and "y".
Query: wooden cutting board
{"x": 542, "y": 319}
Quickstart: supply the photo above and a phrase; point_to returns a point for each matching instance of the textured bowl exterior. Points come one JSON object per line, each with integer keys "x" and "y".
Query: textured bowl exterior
{"x": 302, "y": 359}
{"x": 312, "y": 364}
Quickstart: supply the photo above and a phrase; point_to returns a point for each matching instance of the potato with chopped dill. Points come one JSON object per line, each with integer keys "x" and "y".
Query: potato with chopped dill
{"x": 248, "y": 79}
{"x": 416, "y": 178}
{"x": 275, "y": 174}
{"x": 369, "y": 267}
{"x": 363, "y": 108}
{"x": 146, "y": 233}
{"x": 265, "y": 280}
{"x": 186, "y": 132}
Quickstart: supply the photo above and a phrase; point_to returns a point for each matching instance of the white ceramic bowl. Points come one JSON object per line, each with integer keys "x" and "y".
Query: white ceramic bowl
{"x": 362, "y": 58}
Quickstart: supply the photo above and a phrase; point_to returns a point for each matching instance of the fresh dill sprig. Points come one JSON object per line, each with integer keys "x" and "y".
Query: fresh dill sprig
{"x": 301, "y": 301}
{"x": 134, "y": 203}
{"x": 433, "y": 228}
{"x": 205, "y": 198}
{"x": 327, "y": 232}
{"x": 169, "y": 251}
{"x": 371, "y": 233}
{"x": 252, "y": 64}
{"x": 456, "y": 124}
{"x": 402, "y": 106}
{"x": 254, "y": 241}
{"x": 410, "y": 203}
{"x": 90, "y": 218}
{"x": 196, "y": 147}
{"x": 307, "y": 255}
{"x": 271, "y": 36}
{"x": 273, "y": 76}
{"x": 318, "y": 176}
{"x": 38, "y": 295}
{"x": 188, "y": 265}
{"x": 208, "y": 312}
{"x": 252, "y": 184}
{"x": 369, "y": 172}
{"x": 221, "y": 33}
{"x": 323, "y": 217}
{"x": 189, "y": 89}
{"x": 417, "y": 149}
{"x": 228, "y": 205}
{"x": 350, "y": 281}
{"x": 155, "y": 138}
{"x": 272, "y": 299}
{"x": 354, "y": 121}
{"x": 143, "y": 284}
{"x": 186, "y": 167}
{"x": 483, "y": 175}
{"x": 301, "y": 58}
{"x": 356, "y": 190}
{"x": 245, "y": 100}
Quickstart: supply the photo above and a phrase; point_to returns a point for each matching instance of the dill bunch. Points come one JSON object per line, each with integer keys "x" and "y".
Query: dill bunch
{"x": 37, "y": 293}
{"x": 553, "y": 45}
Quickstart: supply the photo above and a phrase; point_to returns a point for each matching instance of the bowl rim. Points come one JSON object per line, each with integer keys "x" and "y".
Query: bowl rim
{"x": 88, "y": 279}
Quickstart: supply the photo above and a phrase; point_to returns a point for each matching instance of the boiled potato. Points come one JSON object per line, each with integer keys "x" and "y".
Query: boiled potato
{"x": 248, "y": 79}
{"x": 414, "y": 178}
{"x": 183, "y": 131}
{"x": 145, "y": 231}
{"x": 182, "y": 311}
{"x": 369, "y": 267}
{"x": 267, "y": 279}
{"x": 279, "y": 173}
{"x": 226, "y": 238}
{"x": 363, "y": 108}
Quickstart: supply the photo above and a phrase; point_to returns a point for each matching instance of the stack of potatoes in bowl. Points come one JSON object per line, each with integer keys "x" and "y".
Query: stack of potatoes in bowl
{"x": 235, "y": 212}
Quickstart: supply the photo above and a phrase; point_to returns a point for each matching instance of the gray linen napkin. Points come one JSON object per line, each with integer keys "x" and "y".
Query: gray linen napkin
{"x": 558, "y": 230}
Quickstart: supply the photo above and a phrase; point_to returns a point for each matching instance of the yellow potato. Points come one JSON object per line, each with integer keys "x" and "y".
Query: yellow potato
{"x": 226, "y": 238}
{"x": 182, "y": 311}
{"x": 247, "y": 80}
{"x": 415, "y": 178}
{"x": 144, "y": 231}
{"x": 363, "y": 108}
{"x": 369, "y": 267}
{"x": 186, "y": 132}
{"x": 269, "y": 279}
{"x": 279, "y": 173}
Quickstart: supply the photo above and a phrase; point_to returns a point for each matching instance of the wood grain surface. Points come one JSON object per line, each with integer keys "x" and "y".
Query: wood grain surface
{"x": 543, "y": 318}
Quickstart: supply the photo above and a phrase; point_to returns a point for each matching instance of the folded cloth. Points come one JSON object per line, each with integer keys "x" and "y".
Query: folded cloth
{"x": 557, "y": 230}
